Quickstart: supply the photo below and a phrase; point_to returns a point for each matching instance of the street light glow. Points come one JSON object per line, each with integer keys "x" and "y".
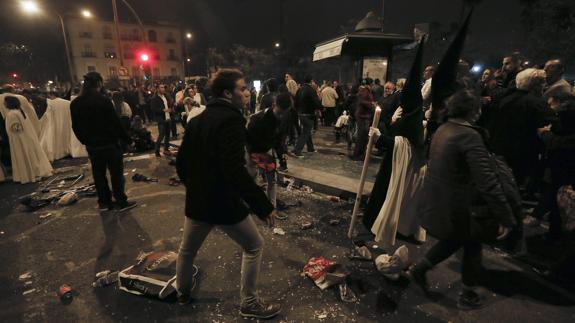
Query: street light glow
{"x": 189, "y": 35}
{"x": 86, "y": 13}
{"x": 145, "y": 57}
{"x": 277, "y": 45}
{"x": 188, "y": 60}
{"x": 30, "y": 7}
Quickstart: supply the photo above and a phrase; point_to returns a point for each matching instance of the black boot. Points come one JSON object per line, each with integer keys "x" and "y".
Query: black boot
{"x": 418, "y": 275}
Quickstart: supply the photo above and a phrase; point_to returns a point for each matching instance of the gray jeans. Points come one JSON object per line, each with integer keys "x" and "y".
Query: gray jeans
{"x": 244, "y": 233}
{"x": 269, "y": 177}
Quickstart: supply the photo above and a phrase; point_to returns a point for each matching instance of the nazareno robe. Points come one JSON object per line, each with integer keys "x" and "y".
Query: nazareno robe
{"x": 29, "y": 161}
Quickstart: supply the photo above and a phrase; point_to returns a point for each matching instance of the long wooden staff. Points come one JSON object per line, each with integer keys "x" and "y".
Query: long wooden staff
{"x": 363, "y": 174}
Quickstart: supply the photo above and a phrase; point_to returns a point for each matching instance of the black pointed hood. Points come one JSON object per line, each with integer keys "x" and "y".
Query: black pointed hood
{"x": 444, "y": 82}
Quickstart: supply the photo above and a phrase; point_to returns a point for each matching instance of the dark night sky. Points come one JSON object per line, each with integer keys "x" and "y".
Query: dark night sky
{"x": 255, "y": 22}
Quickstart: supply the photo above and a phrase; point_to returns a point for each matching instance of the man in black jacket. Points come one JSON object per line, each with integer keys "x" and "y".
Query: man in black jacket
{"x": 161, "y": 108}
{"x": 266, "y": 131}
{"x": 211, "y": 163}
{"x": 97, "y": 126}
{"x": 306, "y": 103}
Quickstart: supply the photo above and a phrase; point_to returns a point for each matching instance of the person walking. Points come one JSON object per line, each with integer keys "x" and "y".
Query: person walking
{"x": 218, "y": 188}
{"x": 307, "y": 104}
{"x": 460, "y": 171}
{"x": 329, "y": 102}
{"x": 97, "y": 126}
{"x": 162, "y": 111}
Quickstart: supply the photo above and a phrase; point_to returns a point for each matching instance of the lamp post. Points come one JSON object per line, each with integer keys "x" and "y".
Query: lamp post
{"x": 187, "y": 60}
{"x": 32, "y": 7}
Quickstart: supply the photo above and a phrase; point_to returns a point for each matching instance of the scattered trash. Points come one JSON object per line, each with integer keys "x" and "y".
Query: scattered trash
{"x": 384, "y": 303}
{"x": 346, "y": 294}
{"x": 65, "y": 294}
{"x": 375, "y": 246}
{"x": 335, "y": 199}
{"x": 324, "y": 272}
{"x": 306, "y": 189}
{"x": 141, "y": 178}
{"x": 25, "y": 276}
{"x": 279, "y": 231}
{"x": 283, "y": 206}
{"x": 281, "y": 216}
{"x": 305, "y": 225}
{"x": 174, "y": 182}
{"x": 321, "y": 315}
{"x": 106, "y": 278}
{"x": 360, "y": 253}
{"x": 68, "y": 199}
{"x": 134, "y": 170}
{"x": 44, "y": 216}
{"x": 37, "y": 200}
{"x": 334, "y": 221}
{"x": 29, "y": 291}
{"x": 391, "y": 266}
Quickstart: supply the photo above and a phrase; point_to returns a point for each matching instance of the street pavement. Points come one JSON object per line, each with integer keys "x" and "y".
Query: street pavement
{"x": 40, "y": 252}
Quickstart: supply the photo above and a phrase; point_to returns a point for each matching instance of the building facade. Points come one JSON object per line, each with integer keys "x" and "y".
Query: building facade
{"x": 95, "y": 47}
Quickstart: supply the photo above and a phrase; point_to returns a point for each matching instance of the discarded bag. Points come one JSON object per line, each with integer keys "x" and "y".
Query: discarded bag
{"x": 68, "y": 199}
{"x": 141, "y": 178}
{"x": 391, "y": 266}
{"x": 154, "y": 275}
{"x": 325, "y": 273}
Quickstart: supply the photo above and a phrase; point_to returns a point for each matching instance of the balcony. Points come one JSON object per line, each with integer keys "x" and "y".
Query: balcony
{"x": 170, "y": 40}
{"x": 111, "y": 55}
{"x": 85, "y": 34}
{"x": 131, "y": 37}
{"x": 173, "y": 58}
{"x": 88, "y": 54}
{"x": 107, "y": 35}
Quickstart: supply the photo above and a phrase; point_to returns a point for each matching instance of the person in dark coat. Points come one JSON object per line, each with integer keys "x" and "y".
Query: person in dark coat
{"x": 307, "y": 103}
{"x": 266, "y": 141}
{"x": 220, "y": 191}
{"x": 365, "y": 108}
{"x": 162, "y": 109}
{"x": 513, "y": 130}
{"x": 460, "y": 171}
{"x": 97, "y": 126}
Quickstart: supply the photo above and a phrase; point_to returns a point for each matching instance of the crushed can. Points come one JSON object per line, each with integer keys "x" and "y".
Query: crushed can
{"x": 306, "y": 225}
{"x": 65, "y": 292}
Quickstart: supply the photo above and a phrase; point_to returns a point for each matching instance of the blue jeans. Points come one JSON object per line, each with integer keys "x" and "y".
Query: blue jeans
{"x": 163, "y": 135}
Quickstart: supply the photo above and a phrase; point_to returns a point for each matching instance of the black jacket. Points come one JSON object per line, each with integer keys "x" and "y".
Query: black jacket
{"x": 95, "y": 122}
{"x": 265, "y": 132}
{"x": 306, "y": 100}
{"x": 513, "y": 131}
{"x": 459, "y": 171}
{"x": 157, "y": 106}
{"x": 211, "y": 162}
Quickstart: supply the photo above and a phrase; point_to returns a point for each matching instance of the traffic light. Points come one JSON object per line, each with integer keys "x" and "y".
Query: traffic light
{"x": 144, "y": 57}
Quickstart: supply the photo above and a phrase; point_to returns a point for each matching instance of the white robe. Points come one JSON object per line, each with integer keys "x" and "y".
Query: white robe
{"x": 77, "y": 150}
{"x": 399, "y": 211}
{"x": 31, "y": 115}
{"x": 29, "y": 162}
{"x": 56, "y": 127}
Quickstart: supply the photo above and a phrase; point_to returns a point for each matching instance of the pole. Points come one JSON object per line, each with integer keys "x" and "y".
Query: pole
{"x": 68, "y": 58}
{"x": 117, "y": 25}
{"x": 382, "y": 14}
{"x": 363, "y": 174}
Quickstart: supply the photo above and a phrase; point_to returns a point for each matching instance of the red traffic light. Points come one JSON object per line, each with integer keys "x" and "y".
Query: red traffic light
{"x": 15, "y": 75}
{"x": 144, "y": 57}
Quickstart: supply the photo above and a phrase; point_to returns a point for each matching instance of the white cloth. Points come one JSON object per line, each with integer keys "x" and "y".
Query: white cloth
{"x": 195, "y": 112}
{"x": 292, "y": 87}
{"x": 399, "y": 211}
{"x": 31, "y": 115}
{"x": 29, "y": 162}
{"x": 56, "y": 128}
{"x": 126, "y": 111}
{"x": 163, "y": 97}
{"x": 342, "y": 121}
{"x": 426, "y": 90}
{"x": 329, "y": 97}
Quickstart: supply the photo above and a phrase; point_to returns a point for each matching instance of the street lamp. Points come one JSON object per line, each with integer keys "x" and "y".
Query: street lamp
{"x": 188, "y": 60}
{"x": 189, "y": 35}
{"x": 277, "y": 45}
{"x": 32, "y": 7}
{"x": 86, "y": 13}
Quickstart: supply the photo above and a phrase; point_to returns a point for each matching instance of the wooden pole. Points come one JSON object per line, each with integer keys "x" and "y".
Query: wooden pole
{"x": 363, "y": 174}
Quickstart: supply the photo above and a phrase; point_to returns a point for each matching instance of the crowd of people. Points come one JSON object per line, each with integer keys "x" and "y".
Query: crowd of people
{"x": 440, "y": 147}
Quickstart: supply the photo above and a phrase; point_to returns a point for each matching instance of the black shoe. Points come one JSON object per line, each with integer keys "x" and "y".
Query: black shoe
{"x": 127, "y": 206}
{"x": 158, "y": 154}
{"x": 282, "y": 168}
{"x": 260, "y": 310}
{"x": 296, "y": 154}
{"x": 105, "y": 207}
{"x": 470, "y": 300}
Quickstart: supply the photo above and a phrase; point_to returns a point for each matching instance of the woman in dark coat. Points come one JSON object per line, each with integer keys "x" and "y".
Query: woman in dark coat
{"x": 460, "y": 172}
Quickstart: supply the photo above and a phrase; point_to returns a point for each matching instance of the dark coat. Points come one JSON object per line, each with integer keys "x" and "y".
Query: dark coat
{"x": 460, "y": 171}
{"x": 513, "y": 131}
{"x": 306, "y": 100}
{"x": 364, "y": 104}
{"x": 211, "y": 162}
{"x": 95, "y": 122}
{"x": 265, "y": 132}
{"x": 157, "y": 106}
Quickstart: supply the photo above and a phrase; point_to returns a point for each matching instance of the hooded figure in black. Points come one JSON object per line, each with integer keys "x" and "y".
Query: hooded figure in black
{"x": 410, "y": 126}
